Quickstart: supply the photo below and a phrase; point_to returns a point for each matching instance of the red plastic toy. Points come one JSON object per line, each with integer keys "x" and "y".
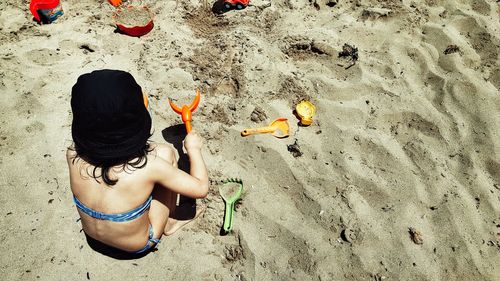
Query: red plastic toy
{"x": 236, "y": 4}
{"x": 136, "y": 31}
{"x": 49, "y": 9}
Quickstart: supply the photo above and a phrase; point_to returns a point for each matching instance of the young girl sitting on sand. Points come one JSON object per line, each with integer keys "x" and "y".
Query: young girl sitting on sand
{"x": 124, "y": 187}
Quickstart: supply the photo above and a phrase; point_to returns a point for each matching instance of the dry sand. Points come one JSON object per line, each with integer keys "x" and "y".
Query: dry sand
{"x": 132, "y": 16}
{"x": 407, "y": 137}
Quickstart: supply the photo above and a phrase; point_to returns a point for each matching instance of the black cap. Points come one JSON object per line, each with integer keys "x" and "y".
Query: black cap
{"x": 110, "y": 121}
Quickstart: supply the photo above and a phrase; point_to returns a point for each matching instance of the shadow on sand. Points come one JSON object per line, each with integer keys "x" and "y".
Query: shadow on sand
{"x": 175, "y": 135}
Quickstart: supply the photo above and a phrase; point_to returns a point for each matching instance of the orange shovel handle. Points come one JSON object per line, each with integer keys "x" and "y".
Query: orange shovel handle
{"x": 187, "y": 118}
{"x": 262, "y": 130}
{"x": 189, "y": 127}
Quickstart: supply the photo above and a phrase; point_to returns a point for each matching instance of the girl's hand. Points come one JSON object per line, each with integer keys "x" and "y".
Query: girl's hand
{"x": 193, "y": 141}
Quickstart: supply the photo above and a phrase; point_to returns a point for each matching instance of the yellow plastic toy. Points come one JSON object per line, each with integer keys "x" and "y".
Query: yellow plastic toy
{"x": 306, "y": 111}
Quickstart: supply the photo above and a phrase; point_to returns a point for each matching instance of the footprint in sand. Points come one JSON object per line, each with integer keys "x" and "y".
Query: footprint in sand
{"x": 44, "y": 57}
{"x": 479, "y": 38}
{"x": 294, "y": 249}
{"x": 35, "y": 127}
{"x": 482, "y": 7}
{"x": 27, "y": 104}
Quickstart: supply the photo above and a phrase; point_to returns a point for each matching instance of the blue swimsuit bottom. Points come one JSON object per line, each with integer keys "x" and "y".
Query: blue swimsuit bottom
{"x": 123, "y": 217}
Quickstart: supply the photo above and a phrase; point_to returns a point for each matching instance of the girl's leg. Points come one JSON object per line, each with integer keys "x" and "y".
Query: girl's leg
{"x": 183, "y": 215}
{"x": 162, "y": 206}
{"x": 164, "y": 202}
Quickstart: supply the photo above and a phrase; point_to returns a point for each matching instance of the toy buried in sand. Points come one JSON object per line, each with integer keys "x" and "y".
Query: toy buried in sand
{"x": 185, "y": 111}
{"x": 236, "y": 4}
{"x": 46, "y": 11}
{"x": 230, "y": 191}
{"x": 115, "y": 3}
{"x": 306, "y": 111}
{"x": 279, "y": 128}
{"x": 134, "y": 21}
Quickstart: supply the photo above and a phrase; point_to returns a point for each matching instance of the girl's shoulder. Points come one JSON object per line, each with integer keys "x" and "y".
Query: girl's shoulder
{"x": 70, "y": 153}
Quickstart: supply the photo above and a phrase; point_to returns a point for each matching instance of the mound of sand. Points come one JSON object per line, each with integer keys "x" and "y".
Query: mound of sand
{"x": 397, "y": 179}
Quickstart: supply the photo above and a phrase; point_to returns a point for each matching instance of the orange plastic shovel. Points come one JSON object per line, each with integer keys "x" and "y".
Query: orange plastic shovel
{"x": 279, "y": 128}
{"x": 186, "y": 110}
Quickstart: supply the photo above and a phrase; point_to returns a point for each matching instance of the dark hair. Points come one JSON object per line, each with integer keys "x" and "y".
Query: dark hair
{"x": 111, "y": 124}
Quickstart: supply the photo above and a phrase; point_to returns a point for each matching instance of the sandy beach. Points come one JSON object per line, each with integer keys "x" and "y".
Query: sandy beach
{"x": 398, "y": 178}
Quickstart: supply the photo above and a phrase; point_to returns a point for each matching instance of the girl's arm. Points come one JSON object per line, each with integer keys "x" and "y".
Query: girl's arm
{"x": 194, "y": 184}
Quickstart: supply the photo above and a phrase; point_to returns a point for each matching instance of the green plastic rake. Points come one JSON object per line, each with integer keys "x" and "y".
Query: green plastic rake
{"x": 230, "y": 191}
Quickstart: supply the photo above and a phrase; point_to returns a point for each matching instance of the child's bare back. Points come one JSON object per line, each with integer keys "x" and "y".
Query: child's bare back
{"x": 126, "y": 191}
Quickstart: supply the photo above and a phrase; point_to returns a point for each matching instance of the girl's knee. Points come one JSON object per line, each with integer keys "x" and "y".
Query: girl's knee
{"x": 166, "y": 152}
